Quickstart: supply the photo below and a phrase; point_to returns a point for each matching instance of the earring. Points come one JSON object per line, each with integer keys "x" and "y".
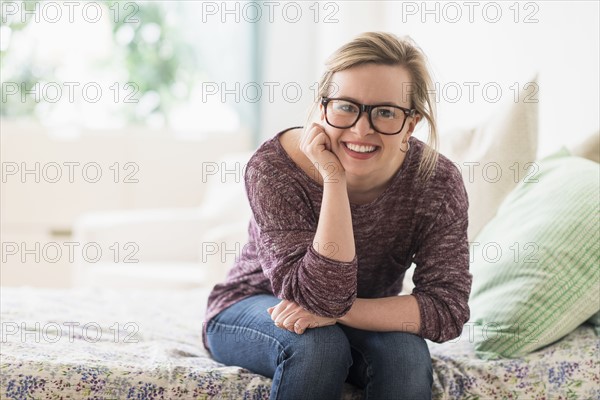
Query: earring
{"x": 407, "y": 146}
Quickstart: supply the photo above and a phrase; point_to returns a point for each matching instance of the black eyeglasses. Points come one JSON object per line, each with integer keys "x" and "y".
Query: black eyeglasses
{"x": 384, "y": 119}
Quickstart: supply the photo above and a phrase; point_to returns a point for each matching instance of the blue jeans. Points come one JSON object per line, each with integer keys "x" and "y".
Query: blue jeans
{"x": 315, "y": 364}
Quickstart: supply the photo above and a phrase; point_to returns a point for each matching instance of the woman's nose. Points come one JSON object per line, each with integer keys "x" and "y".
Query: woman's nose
{"x": 363, "y": 126}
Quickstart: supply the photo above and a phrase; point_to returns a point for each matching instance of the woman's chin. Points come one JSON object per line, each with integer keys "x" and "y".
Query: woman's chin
{"x": 358, "y": 171}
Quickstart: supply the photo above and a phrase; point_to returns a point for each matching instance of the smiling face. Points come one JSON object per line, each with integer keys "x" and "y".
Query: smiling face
{"x": 365, "y": 154}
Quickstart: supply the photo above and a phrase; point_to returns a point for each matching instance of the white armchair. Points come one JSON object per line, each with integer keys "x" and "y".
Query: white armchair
{"x": 168, "y": 247}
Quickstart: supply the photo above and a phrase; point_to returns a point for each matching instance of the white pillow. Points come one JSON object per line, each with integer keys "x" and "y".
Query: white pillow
{"x": 225, "y": 198}
{"x": 589, "y": 148}
{"x": 227, "y": 204}
{"x": 220, "y": 248}
{"x": 494, "y": 157}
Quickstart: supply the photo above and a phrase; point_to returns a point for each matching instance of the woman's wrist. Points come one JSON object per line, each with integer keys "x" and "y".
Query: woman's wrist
{"x": 339, "y": 181}
{"x": 334, "y": 174}
{"x": 344, "y": 318}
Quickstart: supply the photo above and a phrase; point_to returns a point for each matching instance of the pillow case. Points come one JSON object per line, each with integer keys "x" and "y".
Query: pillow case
{"x": 535, "y": 265}
{"x": 590, "y": 148}
{"x": 494, "y": 156}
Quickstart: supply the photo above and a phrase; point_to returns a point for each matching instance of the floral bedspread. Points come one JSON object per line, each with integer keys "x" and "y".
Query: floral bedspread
{"x": 109, "y": 344}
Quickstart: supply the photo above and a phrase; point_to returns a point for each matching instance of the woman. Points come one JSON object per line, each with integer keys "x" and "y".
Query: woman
{"x": 341, "y": 209}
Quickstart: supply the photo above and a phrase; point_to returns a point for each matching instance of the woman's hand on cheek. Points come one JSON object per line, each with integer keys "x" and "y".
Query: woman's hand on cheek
{"x": 316, "y": 145}
{"x": 292, "y": 317}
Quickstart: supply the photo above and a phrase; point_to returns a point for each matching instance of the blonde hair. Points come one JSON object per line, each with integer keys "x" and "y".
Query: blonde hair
{"x": 388, "y": 49}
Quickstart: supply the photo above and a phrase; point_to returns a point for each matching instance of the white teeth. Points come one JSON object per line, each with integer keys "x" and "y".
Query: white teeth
{"x": 360, "y": 148}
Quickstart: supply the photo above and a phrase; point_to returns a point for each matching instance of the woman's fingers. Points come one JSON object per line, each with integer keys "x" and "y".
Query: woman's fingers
{"x": 309, "y": 134}
{"x": 287, "y": 322}
{"x": 316, "y": 145}
{"x": 282, "y": 311}
{"x": 292, "y": 317}
{"x": 313, "y": 137}
{"x": 301, "y": 325}
{"x": 279, "y": 308}
{"x": 286, "y": 314}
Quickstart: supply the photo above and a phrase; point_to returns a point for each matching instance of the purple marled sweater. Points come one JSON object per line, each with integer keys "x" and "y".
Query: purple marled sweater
{"x": 410, "y": 222}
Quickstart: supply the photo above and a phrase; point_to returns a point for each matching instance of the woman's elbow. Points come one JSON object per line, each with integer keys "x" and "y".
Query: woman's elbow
{"x": 326, "y": 304}
{"x": 454, "y": 324}
{"x": 330, "y": 298}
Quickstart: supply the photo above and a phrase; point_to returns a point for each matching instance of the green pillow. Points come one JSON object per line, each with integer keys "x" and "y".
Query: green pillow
{"x": 535, "y": 265}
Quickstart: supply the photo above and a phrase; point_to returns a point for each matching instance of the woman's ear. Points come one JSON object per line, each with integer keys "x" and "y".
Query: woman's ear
{"x": 412, "y": 124}
{"x": 321, "y": 112}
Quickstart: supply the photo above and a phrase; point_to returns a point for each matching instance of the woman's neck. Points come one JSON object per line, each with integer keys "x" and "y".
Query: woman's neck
{"x": 365, "y": 189}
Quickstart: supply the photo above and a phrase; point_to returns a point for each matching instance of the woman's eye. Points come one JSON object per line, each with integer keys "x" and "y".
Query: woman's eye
{"x": 346, "y": 107}
{"x": 386, "y": 112}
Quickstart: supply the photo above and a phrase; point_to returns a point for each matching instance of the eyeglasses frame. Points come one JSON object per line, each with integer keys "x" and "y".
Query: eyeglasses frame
{"x": 408, "y": 112}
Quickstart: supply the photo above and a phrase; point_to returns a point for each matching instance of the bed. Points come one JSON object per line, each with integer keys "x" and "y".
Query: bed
{"x": 146, "y": 344}
{"x": 110, "y": 343}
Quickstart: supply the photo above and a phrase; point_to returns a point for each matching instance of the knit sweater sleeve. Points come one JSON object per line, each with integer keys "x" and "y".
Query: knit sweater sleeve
{"x": 287, "y": 222}
{"x": 442, "y": 278}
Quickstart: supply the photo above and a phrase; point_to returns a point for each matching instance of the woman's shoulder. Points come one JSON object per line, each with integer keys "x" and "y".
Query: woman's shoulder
{"x": 442, "y": 194}
{"x": 445, "y": 172}
{"x": 444, "y": 184}
{"x": 268, "y": 151}
{"x": 277, "y": 159}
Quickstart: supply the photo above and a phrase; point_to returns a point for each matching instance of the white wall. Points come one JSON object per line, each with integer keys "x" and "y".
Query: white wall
{"x": 560, "y": 43}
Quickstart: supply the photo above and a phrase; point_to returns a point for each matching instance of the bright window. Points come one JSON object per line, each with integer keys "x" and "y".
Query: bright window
{"x": 109, "y": 65}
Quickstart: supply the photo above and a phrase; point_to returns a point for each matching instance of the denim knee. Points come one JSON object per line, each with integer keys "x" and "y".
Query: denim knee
{"x": 393, "y": 365}
{"x": 323, "y": 348}
{"x": 313, "y": 365}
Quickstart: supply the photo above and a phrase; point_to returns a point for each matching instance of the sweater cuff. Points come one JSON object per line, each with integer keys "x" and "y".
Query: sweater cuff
{"x": 428, "y": 329}
{"x": 333, "y": 284}
{"x": 329, "y": 260}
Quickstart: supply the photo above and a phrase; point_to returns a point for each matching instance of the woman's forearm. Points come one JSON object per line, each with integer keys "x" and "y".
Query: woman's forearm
{"x": 334, "y": 237}
{"x": 387, "y": 314}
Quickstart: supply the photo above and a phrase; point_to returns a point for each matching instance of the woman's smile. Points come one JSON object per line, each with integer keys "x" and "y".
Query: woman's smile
{"x": 360, "y": 150}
